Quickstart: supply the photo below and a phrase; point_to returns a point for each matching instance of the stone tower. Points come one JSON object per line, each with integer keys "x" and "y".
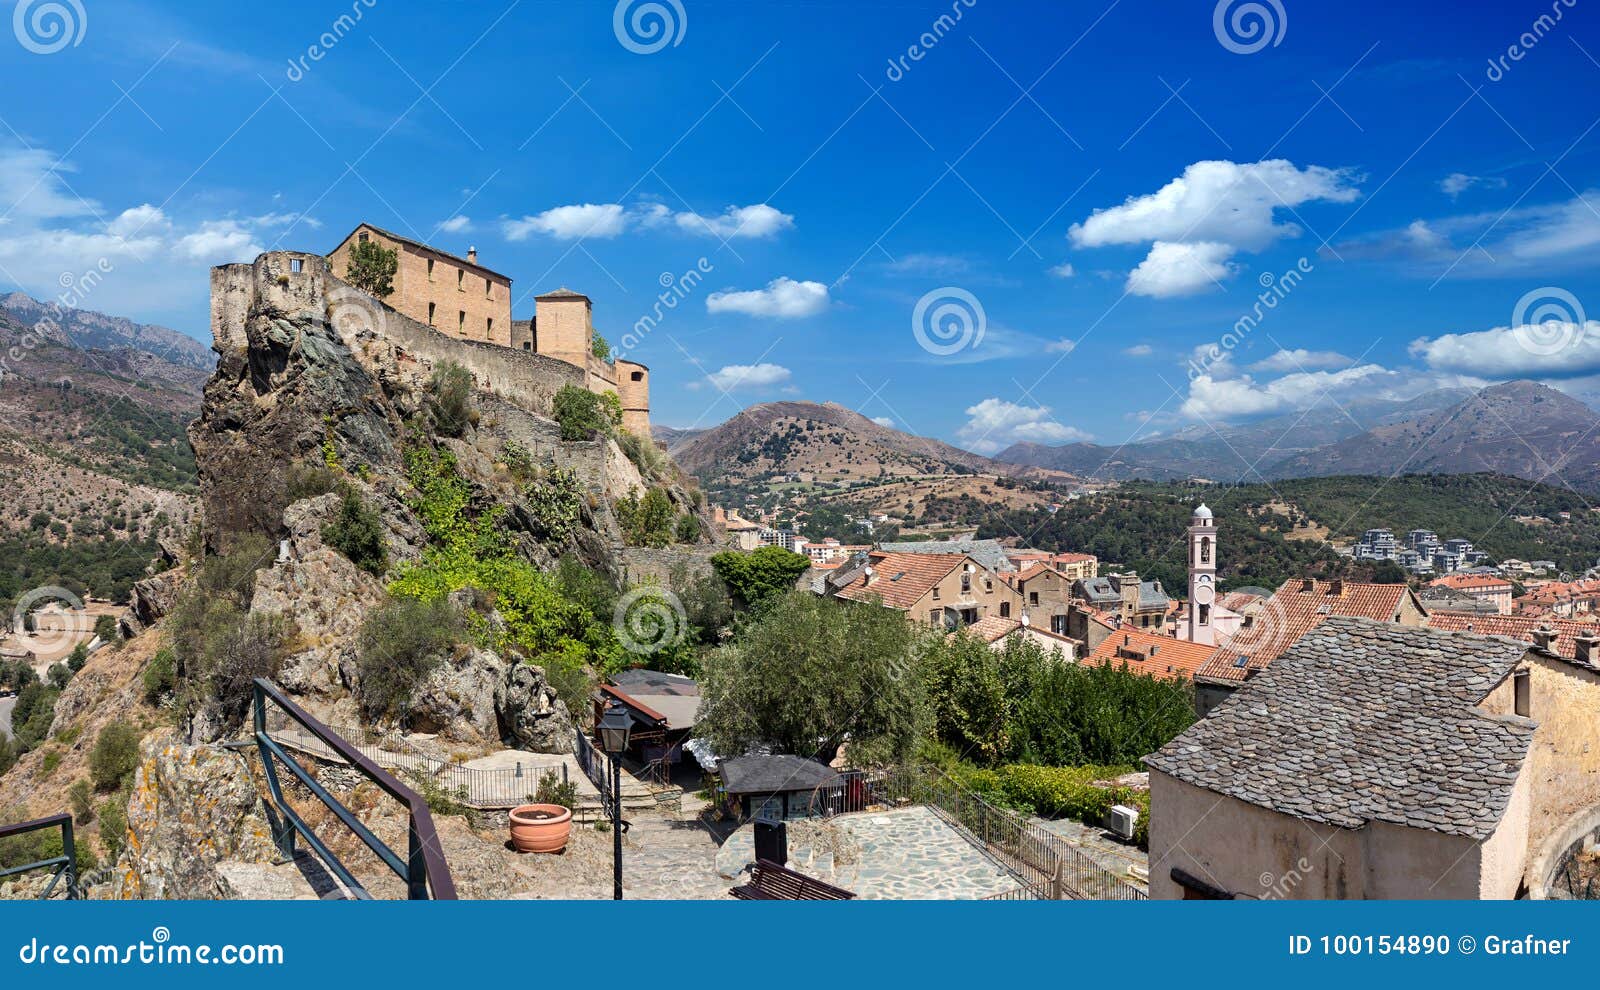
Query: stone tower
{"x": 1202, "y": 578}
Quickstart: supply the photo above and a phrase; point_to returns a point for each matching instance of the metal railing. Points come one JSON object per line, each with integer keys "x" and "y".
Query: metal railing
{"x": 423, "y": 868}
{"x": 597, "y": 767}
{"x": 1049, "y": 866}
{"x": 65, "y": 864}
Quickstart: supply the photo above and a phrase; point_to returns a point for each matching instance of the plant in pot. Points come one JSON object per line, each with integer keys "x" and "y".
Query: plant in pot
{"x": 545, "y": 825}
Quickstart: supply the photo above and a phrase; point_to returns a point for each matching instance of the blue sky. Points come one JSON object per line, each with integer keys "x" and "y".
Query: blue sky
{"x": 1113, "y": 185}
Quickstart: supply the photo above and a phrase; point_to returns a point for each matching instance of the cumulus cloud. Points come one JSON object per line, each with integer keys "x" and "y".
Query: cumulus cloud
{"x": 995, "y": 424}
{"x": 219, "y": 241}
{"x": 1213, "y": 397}
{"x": 457, "y": 224}
{"x": 568, "y": 223}
{"x": 1532, "y": 238}
{"x": 748, "y": 376}
{"x": 1173, "y": 269}
{"x": 1139, "y": 350}
{"x": 1301, "y": 359}
{"x": 885, "y": 421}
{"x": 604, "y": 220}
{"x": 1203, "y": 217}
{"x": 1066, "y": 345}
{"x": 783, "y": 298}
{"x": 1063, "y": 270}
{"x": 1559, "y": 349}
{"x": 1456, "y": 183}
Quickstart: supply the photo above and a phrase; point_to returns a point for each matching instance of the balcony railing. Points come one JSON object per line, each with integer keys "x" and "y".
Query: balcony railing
{"x": 64, "y": 865}
{"x": 423, "y": 868}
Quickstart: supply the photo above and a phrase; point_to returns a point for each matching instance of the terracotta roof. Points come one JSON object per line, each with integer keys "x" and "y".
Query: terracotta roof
{"x": 992, "y": 628}
{"x": 1149, "y": 653}
{"x": 1515, "y": 627}
{"x": 1468, "y": 582}
{"x": 1365, "y": 721}
{"x": 1237, "y": 601}
{"x": 901, "y": 579}
{"x": 1296, "y": 608}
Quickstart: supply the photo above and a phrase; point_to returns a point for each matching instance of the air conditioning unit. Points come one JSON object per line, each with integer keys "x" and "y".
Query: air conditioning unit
{"x": 1122, "y": 820}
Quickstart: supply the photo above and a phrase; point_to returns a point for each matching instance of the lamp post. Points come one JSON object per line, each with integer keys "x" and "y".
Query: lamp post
{"x": 614, "y": 728}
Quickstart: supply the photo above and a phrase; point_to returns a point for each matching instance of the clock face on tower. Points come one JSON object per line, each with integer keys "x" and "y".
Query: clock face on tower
{"x": 1203, "y": 592}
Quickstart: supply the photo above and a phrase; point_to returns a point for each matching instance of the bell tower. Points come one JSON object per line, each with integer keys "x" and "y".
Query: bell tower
{"x": 1202, "y": 578}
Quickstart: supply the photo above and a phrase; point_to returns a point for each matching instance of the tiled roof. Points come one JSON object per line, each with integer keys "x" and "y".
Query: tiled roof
{"x": 463, "y": 262}
{"x": 1149, "y": 653}
{"x": 987, "y": 553}
{"x": 1366, "y": 721}
{"x": 1471, "y": 582}
{"x": 1296, "y": 608}
{"x": 992, "y": 628}
{"x": 1515, "y": 627}
{"x": 1237, "y": 601}
{"x": 900, "y": 579}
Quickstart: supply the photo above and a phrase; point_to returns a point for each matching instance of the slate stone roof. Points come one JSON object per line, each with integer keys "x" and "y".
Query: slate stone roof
{"x": 986, "y": 553}
{"x": 1108, "y": 591}
{"x": 774, "y": 774}
{"x": 1366, "y": 721}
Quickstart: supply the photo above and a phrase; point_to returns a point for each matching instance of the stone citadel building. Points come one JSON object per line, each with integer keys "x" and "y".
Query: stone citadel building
{"x": 462, "y": 299}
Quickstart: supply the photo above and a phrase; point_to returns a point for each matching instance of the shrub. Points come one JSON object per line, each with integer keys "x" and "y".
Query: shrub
{"x": 652, "y": 462}
{"x": 450, "y": 399}
{"x": 400, "y": 644}
{"x": 759, "y": 575}
{"x": 160, "y": 677}
{"x": 113, "y": 817}
{"x": 78, "y": 658}
{"x": 114, "y": 757}
{"x": 688, "y": 529}
{"x": 105, "y": 627}
{"x": 555, "y": 504}
{"x": 309, "y": 480}
{"x": 81, "y": 799}
{"x": 59, "y": 674}
{"x": 647, "y": 521}
{"x": 372, "y": 268}
{"x": 357, "y": 532}
{"x": 554, "y": 790}
{"x": 584, "y": 415}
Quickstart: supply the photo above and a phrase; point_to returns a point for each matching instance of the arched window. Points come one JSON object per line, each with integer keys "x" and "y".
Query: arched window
{"x": 1205, "y": 549}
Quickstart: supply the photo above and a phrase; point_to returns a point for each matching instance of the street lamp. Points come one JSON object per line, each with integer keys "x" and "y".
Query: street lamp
{"x": 614, "y": 728}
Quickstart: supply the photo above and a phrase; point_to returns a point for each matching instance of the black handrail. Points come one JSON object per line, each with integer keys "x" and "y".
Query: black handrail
{"x": 66, "y": 863}
{"x": 423, "y": 869}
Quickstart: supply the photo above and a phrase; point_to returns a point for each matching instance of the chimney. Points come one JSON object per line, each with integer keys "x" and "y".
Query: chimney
{"x": 1336, "y": 588}
{"x": 1309, "y": 584}
{"x": 1588, "y": 648}
{"x": 472, "y": 255}
{"x": 1544, "y": 638}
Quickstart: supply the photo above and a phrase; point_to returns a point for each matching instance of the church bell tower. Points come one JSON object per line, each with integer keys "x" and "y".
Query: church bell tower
{"x": 1202, "y": 577}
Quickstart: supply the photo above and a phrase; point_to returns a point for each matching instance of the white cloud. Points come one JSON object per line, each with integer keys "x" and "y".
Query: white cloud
{"x": 567, "y": 223}
{"x": 782, "y": 298}
{"x": 885, "y": 421}
{"x": 1532, "y": 238}
{"x": 1456, "y": 183}
{"x": 928, "y": 263}
{"x": 457, "y": 224}
{"x": 604, "y": 220}
{"x": 1139, "y": 350}
{"x": 1216, "y": 398}
{"x": 995, "y": 424}
{"x": 748, "y": 376}
{"x": 1175, "y": 269}
{"x": 1217, "y": 201}
{"x": 1558, "y": 349}
{"x": 1300, "y": 359}
{"x": 1065, "y": 345}
{"x": 1063, "y": 270}
{"x": 136, "y": 220}
{"x": 218, "y": 242}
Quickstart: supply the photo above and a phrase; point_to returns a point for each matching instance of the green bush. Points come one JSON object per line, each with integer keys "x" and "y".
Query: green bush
{"x": 114, "y": 757}
{"x": 759, "y": 575}
{"x": 400, "y": 644}
{"x": 555, "y": 504}
{"x": 450, "y": 399}
{"x": 357, "y": 532}
{"x": 652, "y": 461}
{"x": 647, "y": 521}
{"x": 160, "y": 677}
{"x": 80, "y": 797}
{"x": 105, "y": 627}
{"x": 584, "y": 415}
{"x": 688, "y": 529}
{"x": 553, "y": 790}
{"x": 113, "y": 815}
{"x": 309, "y": 480}
{"x": 79, "y": 657}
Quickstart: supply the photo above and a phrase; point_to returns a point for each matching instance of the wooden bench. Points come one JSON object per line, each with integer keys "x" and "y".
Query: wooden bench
{"x": 771, "y": 882}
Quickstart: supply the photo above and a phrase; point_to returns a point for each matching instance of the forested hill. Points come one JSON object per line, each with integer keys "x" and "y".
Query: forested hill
{"x": 1270, "y": 533}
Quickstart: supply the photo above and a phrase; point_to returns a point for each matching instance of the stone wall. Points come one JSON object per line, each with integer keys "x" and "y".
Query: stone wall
{"x": 467, "y": 302}
{"x": 644, "y": 565}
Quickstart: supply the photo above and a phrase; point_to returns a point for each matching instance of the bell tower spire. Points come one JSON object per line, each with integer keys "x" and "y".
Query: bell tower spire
{"x": 1198, "y": 628}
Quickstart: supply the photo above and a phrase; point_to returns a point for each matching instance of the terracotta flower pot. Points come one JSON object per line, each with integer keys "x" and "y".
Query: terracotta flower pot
{"x": 540, "y": 828}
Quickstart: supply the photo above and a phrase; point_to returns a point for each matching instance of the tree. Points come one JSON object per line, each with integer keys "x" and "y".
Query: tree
{"x": 114, "y": 757}
{"x": 974, "y": 691}
{"x": 357, "y": 532}
{"x": 812, "y": 673}
{"x": 599, "y": 347}
{"x": 647, "y": 521}
{"x": 105, "y": 627}
{"x": 756, "y": 576}
{"x": 583, "y": 415}
{"x": 1388, "y": 572}
{"x": 372, "y": 268}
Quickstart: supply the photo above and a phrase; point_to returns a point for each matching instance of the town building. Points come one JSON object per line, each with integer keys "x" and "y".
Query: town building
{"x": 462, "y": 299}
{"x": 1375, "y": 760}
{"x": 987, "y": 553}
{"x": 1494, "y": 590}
{"x": 1046, "y": 594}
{"x": 1150, "y": 653}
{"x": 1565, "y": 641}
{"x": 997, "y": 632}
{"x": 1441, "y": 598}
{"x": 1076, "y": 566}
{"x": 1197, "y": 624}
{"x": 942, "y": 589}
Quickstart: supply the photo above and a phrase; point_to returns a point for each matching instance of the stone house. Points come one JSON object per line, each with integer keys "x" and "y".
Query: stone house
{"x": 1374, "y": 760}
{"x": 941, "y": 589}
{"x": 1486, "y": 588}
{"x": 461, "y": 298}
{"x": 1046, "y": 594}
{"x": 1150, "y": 653}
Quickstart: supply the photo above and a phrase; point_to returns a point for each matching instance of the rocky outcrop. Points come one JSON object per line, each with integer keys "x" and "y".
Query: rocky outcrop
{"x": 191, "y": 808}
{"x": 531, "y": 716}
{"x": 152, "y": 599}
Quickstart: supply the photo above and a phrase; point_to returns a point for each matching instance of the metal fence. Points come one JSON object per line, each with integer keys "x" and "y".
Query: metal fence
{"x": 64, "y": 865}
{"x": 1049, "y": 866}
